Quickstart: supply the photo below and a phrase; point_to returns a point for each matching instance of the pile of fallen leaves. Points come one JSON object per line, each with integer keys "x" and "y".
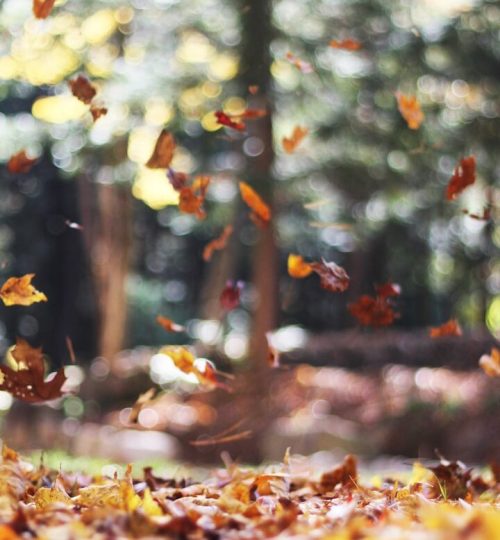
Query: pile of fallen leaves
{"x": 447, "y": 501}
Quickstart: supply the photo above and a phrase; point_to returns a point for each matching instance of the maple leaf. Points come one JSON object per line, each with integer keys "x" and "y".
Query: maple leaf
{"x": 82, "y": 89}
{"x": 191, "y": 198}
{"x": 450, "y": 328}
{"x": 27, "y": 382}
{"x": 409, "y": 108}
{"x": 169, "y": 325}
{"x": 261, "y": 213}
{"x": 230, "y": 295}
{"x": 18, "y": 291}
{"x": 463, "y": 176}
{"x": 291, "y": 143}
{"x": 332, "y": 276}
{"x": 163, "y": 151}
{"x": 97, "y": 112}
{"x": 348, "y": 44}
{"x": 297, "y": 267}
{"x": 225, "y": 120}
{"x": 42, "y": 8}
{"x": 303, "y": 66}
{"x": 490, "y": 363}
{"x": 20, "y": 163}
{"x": 217, "y": 243}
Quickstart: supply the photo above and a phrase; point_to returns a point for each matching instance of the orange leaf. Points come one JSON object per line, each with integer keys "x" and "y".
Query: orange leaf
{"x": 163, "y": 152}
{"x": 410, "y": 110}
{"x": 217, "y": 243}
{"x": 348, "y": 44}
{"x": 97, "y": 112}
{"x": 20, "y": 163}
{"x": 42, "y": 8}
{"x": 490, "y": 363}
{"x": 332, "y": 276}
{"x": 450, "y": 328}
{"x": 18, "y": 291}
{"x": 82, "y": 89}
{"x": 169, "y": 325}
{"x": 27, "y": 382}
{"x": 290, "y": 143}
{"x": 464, "y": 175}
{"x": 191, "y": 198}
{"x": 301, "y": 65}
{"x": 261, "y": 212}
{"x": 297, "y": 267}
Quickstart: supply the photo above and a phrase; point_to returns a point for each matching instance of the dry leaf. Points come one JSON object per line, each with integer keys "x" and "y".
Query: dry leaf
{"x": 42, "y": 8}
{"x": 169, "y": 325}
{"x": 345, "y": 474}
{"x": 290, "y": 143}
{"x": 225, "y": 120}
{"x": 373, "y": 311}
{"x": 463, "y": 176}
{"x": 347, "y": 44}
{"x": 82, "y": 89}
{"x": 297, "y": 267}
{"x": 332, "y": 276}
{"x": 163, "y": 151}
{"x": 97, "y": 112}
{"x": 450, "y": 328}
{"x": 217, "y": 243}
{"x": 230, "y": 295}
{"x": 18, "y": 291}
{"x": 191, "y": 198}
{"x": 490, "y": 363}
{"x": 20, "y": 163}
{"x": 409, "y": 108}
{"x": 261, "y": 213}
{"x": 253, "y": 89}
{"x": 27, "y": 382}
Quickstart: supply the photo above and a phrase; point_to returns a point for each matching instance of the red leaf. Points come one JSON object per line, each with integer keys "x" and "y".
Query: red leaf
{"x": 230, "y": 296}
{"x": 42, "y": 8}
{"x": 332, "y": 276}
{"x": 373, "y": 311}
{"x": 20, "y": 163}
{"x": 225, "y": 120}
{"x": 388, "y": 289}
{"x": 463, "y": 176}
{"x": 450, "y": 328}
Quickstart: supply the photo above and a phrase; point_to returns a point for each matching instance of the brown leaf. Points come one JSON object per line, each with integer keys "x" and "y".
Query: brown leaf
{"x": 27, "y": 382}
{"x": 82, "y": 89}
{"x": 217, "y": 243}
{"x": 163, "y": 151}
{"x": 332, "y": 276}
{"x": 18, "y": 291}
{"x": 463, "y": 176}
{"x": 42, "y": 8}
{"x": 373, "y": 311}
{"x": 451, "y": 480}
{"x": 191, "y": 198}
{"x": 345, "y": 474}
{"x": 97, "y": 112}
{"x": 20, "y": 163}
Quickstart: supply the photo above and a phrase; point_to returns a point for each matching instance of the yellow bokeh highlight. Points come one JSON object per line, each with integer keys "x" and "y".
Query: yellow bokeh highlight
{"x": 235, "y": 105}
{"x": 8, "y": 68}
{"x": 124, "y": 15}
{"x": 209, "y": 122}
{"x": 158, "y": 112}
{"x": 493, "y": 317}
{"x": 101, "y": 25}
{"x": 153, "y": 188}
{"x": 58, "y": 109}
{"x": 224, "y": 67}
{"x": 211, "y": 90}
{"x": 101, "y": 61}
{"x": 141, "y": 143}
{"x": 195, "y": 48}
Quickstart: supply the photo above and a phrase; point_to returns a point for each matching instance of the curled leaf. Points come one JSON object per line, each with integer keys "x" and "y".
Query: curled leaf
{"x": 291, "y": 143}
{"x": 463, "y": 176}
{"x": 297, "y": 267}
{"x": 332, "y": 276}
{"x": 82, "y": 89}
{"x": 261, "y": 213}
{"x": 217, "y": 243}
{"x": 20, "y": 163}
{"x": 410, "y": 110}
{"x": 18, "y": 291}
{"x": 42, "y": 8}
{"x": 450, "y": 328}
{"x": 27, "y": 381}
{"x": 490, "y": 363}
{"x": 348, "y": 44}
{"x": 169, "y": 325}
{"x": 163, "y": 151}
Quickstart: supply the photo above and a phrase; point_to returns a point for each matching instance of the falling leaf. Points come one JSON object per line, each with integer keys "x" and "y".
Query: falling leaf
{"x": 347, "y": 44}
{"x": 409, "y": 108}
{"x": 230, "y": 295}
{"x": 463, "y": 176}
{"x": 225, "y": 120}
{"x": 291, "y": 143}
{"x": 97, "y": 112}
{"x": 27, "y": 381}
{"x": 163, "y": 152}
{"x": 332, "y": 276}
{"x": 82, "y": 89}
{"x": 297, "y": 267}
{"x": 217, "y": 243}
{"x": 304, "y": 67}
{"x": 253, "y": 89}
{"x": 261, "y": 213}
{"x": 18, "y": 291}
{"x": 177, "y": 179}
{"x": 169, "y": 325}
{"x": 490, "y": 363}
{"x": 191, "y": 198}
{"x": 388, "y": 289}
{"x": 143, "y": 400}
{"x": 42, "y": 8}
{"x": 372, "y": 311}
{"x": 450, "y": 328}
{"x": 20, "y": 163}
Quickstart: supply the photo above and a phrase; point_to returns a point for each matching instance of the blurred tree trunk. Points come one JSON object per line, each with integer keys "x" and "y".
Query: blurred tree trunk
{"x": 257, "y": 33}
{"x": 106, "y": 218}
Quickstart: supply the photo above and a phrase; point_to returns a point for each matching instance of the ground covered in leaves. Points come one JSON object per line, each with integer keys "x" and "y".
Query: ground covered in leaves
{"x": 446, "y": 501}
